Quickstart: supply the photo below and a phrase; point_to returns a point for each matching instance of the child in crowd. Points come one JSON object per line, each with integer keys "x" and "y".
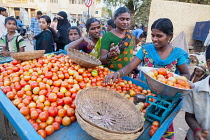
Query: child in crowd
{"x": 74, "y": 34}
{"x": 197, "y": 107}
{"x": 45, "y": 40}
{"x": 198, "y": 74}
{"x": 12, "y": 41}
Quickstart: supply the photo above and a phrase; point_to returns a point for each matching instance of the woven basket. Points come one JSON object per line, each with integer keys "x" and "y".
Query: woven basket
{"x": 101, "y": 134}
{"x": 108, "y": 110}
{"x": 28, "y": 55}
{"x": 83, "y": 59}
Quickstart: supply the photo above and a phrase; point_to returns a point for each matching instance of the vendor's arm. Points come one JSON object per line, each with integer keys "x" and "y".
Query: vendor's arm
{"x": 75, "y": 44}
{"x": 122, "y": 72}
{"x": 182, "y": 67}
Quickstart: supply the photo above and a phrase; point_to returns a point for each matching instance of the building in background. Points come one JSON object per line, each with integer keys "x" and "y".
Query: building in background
{"x": 27, "y": 8}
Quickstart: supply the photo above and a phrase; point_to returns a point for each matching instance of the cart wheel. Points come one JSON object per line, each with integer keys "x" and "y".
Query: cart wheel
{"x": 11, "y": 132}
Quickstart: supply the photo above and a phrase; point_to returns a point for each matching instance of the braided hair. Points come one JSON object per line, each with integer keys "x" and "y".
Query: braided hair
{"x": 163, "y": 24}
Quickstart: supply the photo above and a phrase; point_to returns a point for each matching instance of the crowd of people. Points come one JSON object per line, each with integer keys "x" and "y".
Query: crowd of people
{"x": 114, "y": 45}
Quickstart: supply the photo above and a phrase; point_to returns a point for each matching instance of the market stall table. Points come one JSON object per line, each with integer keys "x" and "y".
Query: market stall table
{"x": 74, "y": 131}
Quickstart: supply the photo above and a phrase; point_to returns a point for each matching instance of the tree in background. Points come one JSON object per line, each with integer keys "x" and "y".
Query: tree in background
{"x": 107, "y": 12}
{"x": 132, "y": 5}
{"x": 207, "y": 2}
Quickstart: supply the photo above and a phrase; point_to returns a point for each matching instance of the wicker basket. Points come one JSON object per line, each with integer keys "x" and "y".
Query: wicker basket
{"x": 108, "y": 110}
{"x": 83, "y": 59}
{"x": 101, "y": 134}
{"x": 28, "y": 55}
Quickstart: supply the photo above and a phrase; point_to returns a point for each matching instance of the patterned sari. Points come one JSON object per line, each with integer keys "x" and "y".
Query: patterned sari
{"x": 126, "y": 53}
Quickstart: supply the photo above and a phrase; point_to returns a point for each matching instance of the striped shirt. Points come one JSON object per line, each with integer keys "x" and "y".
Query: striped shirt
{"x": 35, "y": 26}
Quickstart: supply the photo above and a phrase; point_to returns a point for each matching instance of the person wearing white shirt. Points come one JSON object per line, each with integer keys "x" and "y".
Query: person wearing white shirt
{"x": 3, "y": 29}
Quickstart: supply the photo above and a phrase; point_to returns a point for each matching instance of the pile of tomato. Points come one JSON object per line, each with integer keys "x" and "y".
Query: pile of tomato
{"x": 44, "y": 89}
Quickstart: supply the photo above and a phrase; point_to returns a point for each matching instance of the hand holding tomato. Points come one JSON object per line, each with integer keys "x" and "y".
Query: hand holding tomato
{"x": 111, "y": 78}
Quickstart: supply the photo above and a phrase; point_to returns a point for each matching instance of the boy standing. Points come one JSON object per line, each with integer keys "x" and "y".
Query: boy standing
{"x": 197, "y": 107}
{"x": 12, "y": 41}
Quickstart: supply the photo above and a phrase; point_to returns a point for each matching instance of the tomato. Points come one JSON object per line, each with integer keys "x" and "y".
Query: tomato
{"x": 10, "y": 95}
{"x": 62, "y": 112}
{"x": 181, "y": 82}
{"x": 154, "y": 127}
{"x": 49, "y": 129}
{"x": 73, "y": 105}
{"x": 60, "y": 102}
{"x": 68, "y": 100}
{"x": 36, "y": 126}
{"x": 58, "y": 119}
{"x": 73, "y": 96}
{"x": 53, "y": 111}
{"x": 43, "y": 116}
{"x": 66, "y": 121}
{"x": 70, "y": 112}
{"x": 48, "y": 75}
{"x": 60, "y": 95}
{"x": 24, "y": 110}
{"x": 18, "y": 87}
{"x": 56, "y": 125}
{"x": 73, "y": 119}
{"x": 34, "y": 115}
{"x": 43, "y": 125}
{"x": 42, "y": 133}
{"x": 6, "y": 89}
{"x": 50, "y": 120}
{"x": 14, "y": 62}
{"x": 156, "y": 123}
{"x": 26, "y": 101}
{"x": 40, "y": 106}
{"x": 162, "y": 71}
{"x": 52, "y": 97}
{"x": 151, "y": 132}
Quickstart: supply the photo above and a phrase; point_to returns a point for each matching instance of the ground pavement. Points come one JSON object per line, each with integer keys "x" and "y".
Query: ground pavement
{"x": 179, "y": 122}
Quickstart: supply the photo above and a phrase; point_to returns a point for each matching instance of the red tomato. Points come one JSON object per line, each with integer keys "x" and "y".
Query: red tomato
{"x": 14, "y": 62}
{"x": 53, "y": 111}
{"x": 162, "y": 71}
{"x": 24, "y": 111}
{"x": 151, "y": 132}
{"x": 49, "y": 129}
{"x": 62, "y": 112}
{"x": 43, "y": 125}
{"x": 73, "y": 118}
{"x": 42, "y": 133}
{"x": 34, "y": 115}
{"x": 60, "y": 95}
{"x": 58, "y": 119}
{"x": 6, "y": 89}
{"x": 48, "y": 75}
{"x": 36, "y": 126}
{"x": 60, "y": 102}
{"x": 52, "y": 97}
{"x": 10, "y": 95}
{"x": 43, "y": 116}
{"x": 68, "y": 100}
{"x": 154, "y": 127}
{"x": 56, "y": 125}
{"x": 70, "y": 112}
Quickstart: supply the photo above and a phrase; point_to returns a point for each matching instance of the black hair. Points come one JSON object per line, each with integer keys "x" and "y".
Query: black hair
{"x": 208, "y": 53}
{"x": 103, "y": 28}
{"x": 55, "y": 18}
{"x": 39, "y": 13}
{"x": 17, "y": 17}
{"x": 10, "y": 18}
{"x": 111, "y": 23}
{"x": 74, "y": 27}
{"x": 163, "y": 24}
{"x": 90, "y": 21}
{"x": 120, "y": 11}
{"x": 48, "y": 20}
{"x": 2, "y": 9}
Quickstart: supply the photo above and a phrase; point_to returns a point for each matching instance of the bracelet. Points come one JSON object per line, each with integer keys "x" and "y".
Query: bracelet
{"x": 123, "y": 74}
{"x": 196, "y": 129}
{"x": 108, "y": 59}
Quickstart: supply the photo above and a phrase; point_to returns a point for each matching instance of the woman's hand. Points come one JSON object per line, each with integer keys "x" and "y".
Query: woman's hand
{"x": 201, "y": 135}
{"x": 5, "y": 53}
{"x": 90, "y": 43}
{"x": 114, "y": 50}
{"x": 110, "y": 78}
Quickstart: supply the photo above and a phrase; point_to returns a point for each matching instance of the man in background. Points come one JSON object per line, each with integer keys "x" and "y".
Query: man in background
{"x": 3, "y": 13}
{"x": 35, "y": 29}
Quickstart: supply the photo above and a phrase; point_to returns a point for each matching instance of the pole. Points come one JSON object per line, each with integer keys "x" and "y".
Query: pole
{"x": 88, "y": 13}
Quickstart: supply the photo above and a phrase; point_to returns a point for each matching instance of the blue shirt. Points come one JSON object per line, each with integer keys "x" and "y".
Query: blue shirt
{"x": 137, "y": 33}
{"x": 35, "y": 26}
{"x": 19, "y": 23}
